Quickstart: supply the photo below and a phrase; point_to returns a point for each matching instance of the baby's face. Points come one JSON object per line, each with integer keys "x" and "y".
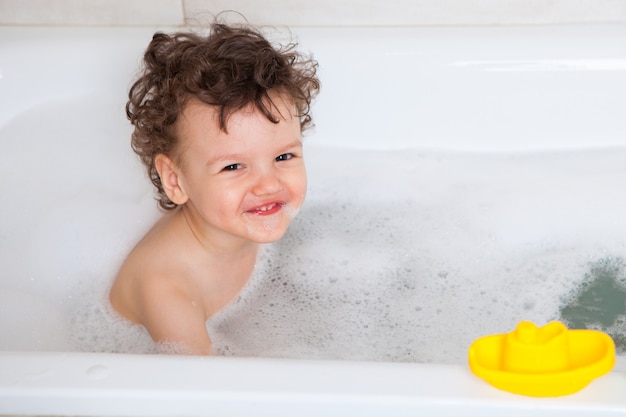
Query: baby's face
{"x": 247, "y": 183}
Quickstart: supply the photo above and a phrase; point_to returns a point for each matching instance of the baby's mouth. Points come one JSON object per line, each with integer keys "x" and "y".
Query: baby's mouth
{"x": 267, "y": 209}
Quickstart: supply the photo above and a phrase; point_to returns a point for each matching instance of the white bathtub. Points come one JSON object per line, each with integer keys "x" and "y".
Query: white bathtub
{"x": 483, "y": 90}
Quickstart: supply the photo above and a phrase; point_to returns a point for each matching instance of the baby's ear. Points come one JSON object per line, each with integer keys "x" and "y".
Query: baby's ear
{"x": 169, "y": 174}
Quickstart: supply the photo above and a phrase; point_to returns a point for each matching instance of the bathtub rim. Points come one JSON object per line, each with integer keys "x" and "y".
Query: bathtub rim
{"x": 96, "y": 384}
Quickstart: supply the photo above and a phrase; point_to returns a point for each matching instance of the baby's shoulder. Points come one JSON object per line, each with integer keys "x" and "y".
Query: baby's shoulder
{"x": 156, "y": 273}
{"x": 161, "y": 254}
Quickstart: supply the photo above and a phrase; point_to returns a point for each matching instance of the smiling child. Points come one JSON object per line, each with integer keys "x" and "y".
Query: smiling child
{"x": 218, "y": 122}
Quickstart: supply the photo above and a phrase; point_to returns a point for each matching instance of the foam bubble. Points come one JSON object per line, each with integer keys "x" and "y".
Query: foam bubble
{"x": 169, "y": 347}
{"x": 290, "y": 210}
{"x": 272, "y": 222}
{"x": 96, "y": 327}
{"x": 406, "y": 256}
{"x": 415, "y": 267}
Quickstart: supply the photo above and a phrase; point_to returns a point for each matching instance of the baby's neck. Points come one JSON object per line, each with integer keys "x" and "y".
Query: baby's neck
{"x": 227, "y": 276}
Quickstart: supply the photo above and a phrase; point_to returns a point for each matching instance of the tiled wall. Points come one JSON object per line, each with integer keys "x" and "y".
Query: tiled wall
{"x": 310, "y": 12}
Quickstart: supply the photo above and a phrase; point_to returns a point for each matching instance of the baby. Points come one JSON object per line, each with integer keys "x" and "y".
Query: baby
{"x": 217, "y": 122}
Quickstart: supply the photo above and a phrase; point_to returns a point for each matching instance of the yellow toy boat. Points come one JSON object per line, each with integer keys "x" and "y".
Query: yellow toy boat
{"x": 542, "y": 361}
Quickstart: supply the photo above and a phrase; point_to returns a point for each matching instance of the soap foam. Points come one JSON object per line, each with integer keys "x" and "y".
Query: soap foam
{"x": 405, "y": 255}
{"x": 96, "y": 327}
{"x": 434, "y": 250}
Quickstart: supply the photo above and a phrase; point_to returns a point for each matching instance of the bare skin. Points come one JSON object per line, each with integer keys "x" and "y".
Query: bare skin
{"x": 235, "y": 190}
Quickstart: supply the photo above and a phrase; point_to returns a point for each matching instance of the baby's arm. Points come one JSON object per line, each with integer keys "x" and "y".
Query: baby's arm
{"x": 171, "y": 317}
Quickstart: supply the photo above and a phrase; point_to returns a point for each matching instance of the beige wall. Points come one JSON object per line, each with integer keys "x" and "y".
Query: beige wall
{"x": 311, "y": 12}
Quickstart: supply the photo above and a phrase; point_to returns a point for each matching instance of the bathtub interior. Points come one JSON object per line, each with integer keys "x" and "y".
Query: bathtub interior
{"x": 461, "y": 180}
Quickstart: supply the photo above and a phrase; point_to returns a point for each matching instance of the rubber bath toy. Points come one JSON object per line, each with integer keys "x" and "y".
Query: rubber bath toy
{"x": 546, "y": 361}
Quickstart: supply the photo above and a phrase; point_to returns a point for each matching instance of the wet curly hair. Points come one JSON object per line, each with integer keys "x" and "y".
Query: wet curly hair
{"x": 231, "y": 68}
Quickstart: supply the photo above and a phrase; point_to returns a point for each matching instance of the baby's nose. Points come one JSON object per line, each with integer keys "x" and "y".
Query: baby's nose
{"x": 267, "y": 182}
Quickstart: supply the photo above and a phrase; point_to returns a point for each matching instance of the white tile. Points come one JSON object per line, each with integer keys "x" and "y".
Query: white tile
{"x": 92, "y": 12}
{"x": 311, "y": 13}
{"x": 411, "y": 12}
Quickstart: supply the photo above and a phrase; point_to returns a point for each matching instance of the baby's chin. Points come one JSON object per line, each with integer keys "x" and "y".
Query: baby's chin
{"x": 271, "y": 228}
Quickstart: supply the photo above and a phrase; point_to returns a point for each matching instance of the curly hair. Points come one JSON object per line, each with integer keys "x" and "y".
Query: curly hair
{"x": 231, "y": 68}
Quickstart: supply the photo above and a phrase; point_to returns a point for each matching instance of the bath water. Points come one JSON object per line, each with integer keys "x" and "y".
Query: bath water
{"x": 411, "y": 255}
{"x": 401, "y": 255}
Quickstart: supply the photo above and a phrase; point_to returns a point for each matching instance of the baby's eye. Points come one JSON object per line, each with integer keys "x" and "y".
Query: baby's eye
{"x": 284, "y": 157}
{"x": 232, "y": 167}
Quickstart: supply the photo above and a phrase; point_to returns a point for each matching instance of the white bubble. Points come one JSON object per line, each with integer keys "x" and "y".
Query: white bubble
{"x": 405, "y": 256}
{"x": 414, "y": 268}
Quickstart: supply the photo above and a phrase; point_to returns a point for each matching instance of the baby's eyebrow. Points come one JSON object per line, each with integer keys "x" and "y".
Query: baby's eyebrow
{"x": 295, "y": 144}
{"x": 230, "y": 157}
